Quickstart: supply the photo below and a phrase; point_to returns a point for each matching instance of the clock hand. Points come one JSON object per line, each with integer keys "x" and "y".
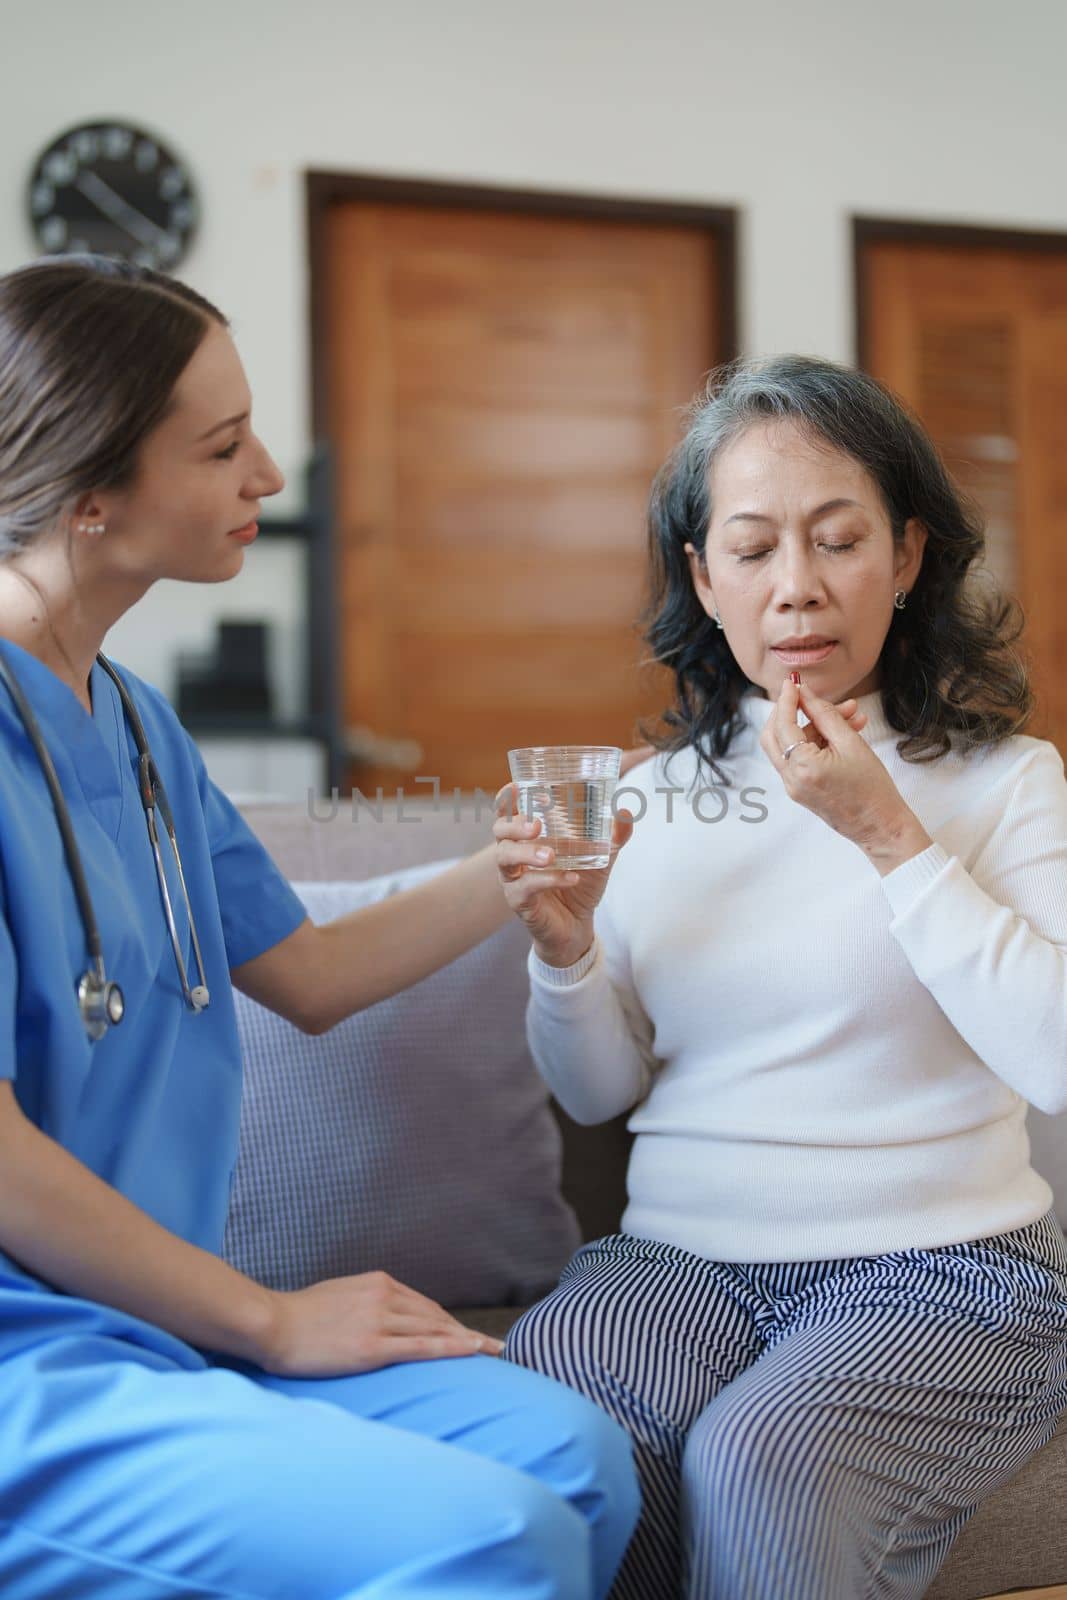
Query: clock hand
{"x": 119, "y": 210}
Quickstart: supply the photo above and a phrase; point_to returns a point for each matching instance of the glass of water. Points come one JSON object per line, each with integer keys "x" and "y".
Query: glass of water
{"x": 570, "y": 788}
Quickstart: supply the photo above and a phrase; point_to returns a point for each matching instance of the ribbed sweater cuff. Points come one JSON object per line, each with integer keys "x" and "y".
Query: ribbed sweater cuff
{"x": 904, "y": 885}
{"x": 563, "y": 977}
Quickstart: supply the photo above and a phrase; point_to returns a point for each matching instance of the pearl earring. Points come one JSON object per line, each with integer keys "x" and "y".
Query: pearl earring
{"x": 718, "y": 620}
{"x": 899, "y": 599}
{"x": 92, "y": 529}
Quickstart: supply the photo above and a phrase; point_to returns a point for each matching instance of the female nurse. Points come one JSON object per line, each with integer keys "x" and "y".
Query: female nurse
{"x": 171, "y": 1428}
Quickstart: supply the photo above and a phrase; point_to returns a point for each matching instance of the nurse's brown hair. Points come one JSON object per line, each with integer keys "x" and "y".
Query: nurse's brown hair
{"x": 90, "y": 351}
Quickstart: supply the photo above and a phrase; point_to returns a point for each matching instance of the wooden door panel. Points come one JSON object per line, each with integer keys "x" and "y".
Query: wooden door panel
{"x": 492, "y": 329}
{"x": 540, "y": 664}
{"x": 501, "y": 390}
{"x": 507, "y": 442}
{"x": 447, "y": 597}
{"x": 557, "y": 691}
{"x": 1042, "y": 414}
{"x": 973, "y": 339}
{"x": 450, "y": 510}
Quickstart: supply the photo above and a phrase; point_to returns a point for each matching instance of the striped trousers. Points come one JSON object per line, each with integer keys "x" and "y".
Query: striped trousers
{"x": 815, "y": 1430}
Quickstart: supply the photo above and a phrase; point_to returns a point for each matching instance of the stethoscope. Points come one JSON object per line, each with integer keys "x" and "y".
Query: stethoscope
{"x": 100, "y": 1001}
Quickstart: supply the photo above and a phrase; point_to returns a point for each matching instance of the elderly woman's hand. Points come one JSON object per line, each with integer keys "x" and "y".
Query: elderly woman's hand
{"x": 556, "y": 907}
{"x": 836, "y": 774}
{"x": 634, "y": 758}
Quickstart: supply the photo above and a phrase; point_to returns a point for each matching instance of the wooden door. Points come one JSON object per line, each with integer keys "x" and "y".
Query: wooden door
{"x": 974, "y": 338}
{"x": 500, "y": 389}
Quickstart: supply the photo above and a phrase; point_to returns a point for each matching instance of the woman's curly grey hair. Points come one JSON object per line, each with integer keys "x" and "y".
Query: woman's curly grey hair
{"x": 948, "y": 666}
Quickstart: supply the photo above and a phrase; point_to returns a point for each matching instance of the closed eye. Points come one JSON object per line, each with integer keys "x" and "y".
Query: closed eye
{"x": 229, "y": 452}
{"x": 756, "y": 555}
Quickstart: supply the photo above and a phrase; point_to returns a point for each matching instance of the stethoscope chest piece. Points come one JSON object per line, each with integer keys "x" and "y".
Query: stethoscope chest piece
{"x": 100, "y": 1002}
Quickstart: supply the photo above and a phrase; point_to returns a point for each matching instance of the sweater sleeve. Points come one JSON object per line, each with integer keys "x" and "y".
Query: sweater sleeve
{"x": 591, "y": 1038}
{"x": 991, "y": 944}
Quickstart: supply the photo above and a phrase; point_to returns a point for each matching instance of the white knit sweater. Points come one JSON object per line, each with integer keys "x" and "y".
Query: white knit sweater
{"x": 824, "y": 1062}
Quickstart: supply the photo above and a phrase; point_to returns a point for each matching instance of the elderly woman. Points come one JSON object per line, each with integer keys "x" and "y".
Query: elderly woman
{"x": 827, "y": 975}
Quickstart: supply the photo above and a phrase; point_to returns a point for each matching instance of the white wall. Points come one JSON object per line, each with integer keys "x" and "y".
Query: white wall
{"x": 799, "y": 114}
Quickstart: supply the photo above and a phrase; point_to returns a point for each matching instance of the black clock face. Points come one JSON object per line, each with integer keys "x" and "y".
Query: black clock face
{"x": 113, "y": 190}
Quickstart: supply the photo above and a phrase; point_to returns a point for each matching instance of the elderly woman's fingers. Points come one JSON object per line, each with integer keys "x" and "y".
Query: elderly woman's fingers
{"x": 507, "y": 800}
{"x": 621, "y": 829}
{"x": 523, "y": 853}
{"x": 516, "y": 827}
{"x": 522, "y": 886}
{"x": 633, "y": 758}
{"x": 848, "y": 710}
{"x": 785, "y": 727}
{"x": 511, "y": 823}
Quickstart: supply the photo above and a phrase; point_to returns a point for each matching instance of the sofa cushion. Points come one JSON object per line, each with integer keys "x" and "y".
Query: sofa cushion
{"x": 415, "y": 1137}
{"x": 1048, "y": 1154}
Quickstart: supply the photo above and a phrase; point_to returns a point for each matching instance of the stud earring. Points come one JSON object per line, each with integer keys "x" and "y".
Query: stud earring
{"x": 92, "y": 530}
{"x": 899, "y": 599}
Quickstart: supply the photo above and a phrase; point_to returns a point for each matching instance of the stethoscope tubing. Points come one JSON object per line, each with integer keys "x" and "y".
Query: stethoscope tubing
{"x": 70, "y": 845}
{"x": 94, "y": 990}
{"x": 153, "y": 797}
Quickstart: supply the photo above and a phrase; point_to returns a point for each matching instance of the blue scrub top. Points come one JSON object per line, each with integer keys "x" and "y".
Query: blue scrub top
{"x": 153, "y": 1107}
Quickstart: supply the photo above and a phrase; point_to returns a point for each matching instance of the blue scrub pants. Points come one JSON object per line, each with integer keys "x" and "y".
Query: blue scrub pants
{"x": 127, "y": 1476}
{"x": 811, "y": 1430}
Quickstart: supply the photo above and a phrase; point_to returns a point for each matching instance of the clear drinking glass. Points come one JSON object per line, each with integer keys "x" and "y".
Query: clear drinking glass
{"x": 570, "y": 787}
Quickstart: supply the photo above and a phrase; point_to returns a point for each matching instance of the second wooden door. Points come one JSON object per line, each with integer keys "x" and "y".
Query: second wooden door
{"x": 501, "y": 389}
{"x": 974, "y": 337}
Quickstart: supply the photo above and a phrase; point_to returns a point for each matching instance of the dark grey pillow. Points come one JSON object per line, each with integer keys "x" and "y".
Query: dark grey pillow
{"x": 1048, "y": 1154}
{"x": 415, "y": 1137}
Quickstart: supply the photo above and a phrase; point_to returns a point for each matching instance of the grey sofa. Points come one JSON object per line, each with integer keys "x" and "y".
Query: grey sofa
{"x": 1018, "y": 1538}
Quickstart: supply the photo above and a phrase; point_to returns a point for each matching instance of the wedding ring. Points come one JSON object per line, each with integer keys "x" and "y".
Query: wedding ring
{"x": 787, "y": 752}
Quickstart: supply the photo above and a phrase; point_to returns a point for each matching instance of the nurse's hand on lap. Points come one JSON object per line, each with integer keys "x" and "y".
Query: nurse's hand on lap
{"x": 357, "y": 1324}
{"x": 557, "y": 907}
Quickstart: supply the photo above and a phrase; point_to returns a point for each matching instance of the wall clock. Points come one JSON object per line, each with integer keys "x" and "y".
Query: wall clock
{"x": 114, "y": 190}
